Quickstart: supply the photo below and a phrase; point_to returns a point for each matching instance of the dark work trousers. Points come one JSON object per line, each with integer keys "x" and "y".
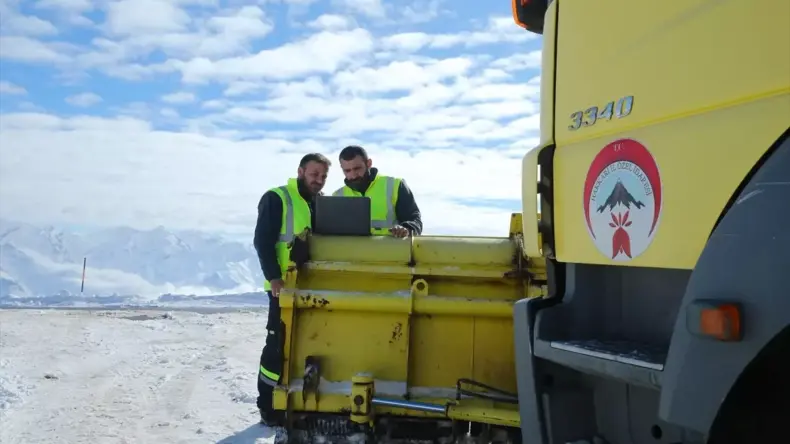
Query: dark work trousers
{"x": 270, "y": 370}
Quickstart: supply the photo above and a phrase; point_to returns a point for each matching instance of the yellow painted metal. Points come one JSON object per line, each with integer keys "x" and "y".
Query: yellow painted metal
{"x": 393, "y": 303}
{"x": 361, "y": 396}
{"x": 485, "y": 412}
{"x": 417, "y": 314}
{"x": 711, "y": 88}
{"x": 547, "y": 77}
{"x": 533, "y": 242}
{"x": 477, "y": 410}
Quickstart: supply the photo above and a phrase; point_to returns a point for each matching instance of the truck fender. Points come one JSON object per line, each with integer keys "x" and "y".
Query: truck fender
{"x": 746, "y": 261}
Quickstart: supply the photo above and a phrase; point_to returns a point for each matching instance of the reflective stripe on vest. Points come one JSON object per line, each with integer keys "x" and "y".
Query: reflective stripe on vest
{"x": 389, "y": 194}
{"x": 269, "y": 378}
{"x": 296, "y": 218}
{"x": 289, "y": 234}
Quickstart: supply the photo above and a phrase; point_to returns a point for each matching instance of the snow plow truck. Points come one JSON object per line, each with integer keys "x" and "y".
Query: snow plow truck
{"x": 641, "y": 296}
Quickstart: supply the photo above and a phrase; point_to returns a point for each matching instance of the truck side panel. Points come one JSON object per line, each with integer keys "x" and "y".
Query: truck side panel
{"x": 753, "y": 241}
{"x": 699, "y": 103}
{"x": 708, "y": 101}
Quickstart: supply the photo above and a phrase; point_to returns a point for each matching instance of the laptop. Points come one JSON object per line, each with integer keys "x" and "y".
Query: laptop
{"x": 342, "y": 216}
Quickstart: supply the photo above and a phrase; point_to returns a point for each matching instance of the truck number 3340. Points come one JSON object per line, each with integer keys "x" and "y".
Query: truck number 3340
{"x": 619, "y": 109}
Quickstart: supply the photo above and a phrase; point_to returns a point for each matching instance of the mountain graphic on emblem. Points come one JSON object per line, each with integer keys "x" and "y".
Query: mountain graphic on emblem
{"x": 620, "y": 195}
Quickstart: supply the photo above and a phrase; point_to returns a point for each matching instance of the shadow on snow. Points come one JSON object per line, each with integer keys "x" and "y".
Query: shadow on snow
{"x": 250, "y": 435}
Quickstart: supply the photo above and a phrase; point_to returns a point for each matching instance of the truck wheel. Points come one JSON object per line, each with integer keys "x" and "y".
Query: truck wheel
{"x": 757, "y": 409}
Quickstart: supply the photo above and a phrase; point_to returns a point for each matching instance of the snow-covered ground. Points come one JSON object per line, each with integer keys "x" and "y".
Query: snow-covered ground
{"x": 113, "y": 376}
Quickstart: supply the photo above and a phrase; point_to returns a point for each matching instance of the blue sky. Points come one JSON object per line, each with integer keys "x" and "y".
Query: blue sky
{"x": 183, "y": 112}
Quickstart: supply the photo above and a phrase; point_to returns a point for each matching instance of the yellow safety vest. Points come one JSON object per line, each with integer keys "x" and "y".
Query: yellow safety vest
{"x": 383, "y": 195}
{"x": 296, "y": 217}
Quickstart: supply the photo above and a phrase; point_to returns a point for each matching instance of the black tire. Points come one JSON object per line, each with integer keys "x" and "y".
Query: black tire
{"x": 757, "y": 410}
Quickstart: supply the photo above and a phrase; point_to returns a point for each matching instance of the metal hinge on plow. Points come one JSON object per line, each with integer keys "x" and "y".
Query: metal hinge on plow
{"x": 312, "y": 377}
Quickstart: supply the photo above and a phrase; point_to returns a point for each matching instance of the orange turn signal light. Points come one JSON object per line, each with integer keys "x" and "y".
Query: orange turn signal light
{"x": 530, "y": 14}
{"x": 715, "y": 319}
{"x": 515, "y": 5}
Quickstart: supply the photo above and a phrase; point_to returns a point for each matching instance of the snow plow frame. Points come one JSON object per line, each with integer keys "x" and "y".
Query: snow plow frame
{"x": 409, "y": 329}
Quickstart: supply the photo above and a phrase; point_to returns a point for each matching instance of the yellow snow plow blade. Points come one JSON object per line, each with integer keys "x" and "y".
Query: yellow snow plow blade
{"x": 418, "y": 327}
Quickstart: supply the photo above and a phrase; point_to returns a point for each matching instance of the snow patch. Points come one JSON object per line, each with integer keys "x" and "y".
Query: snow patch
{"x": 12, "y": 390}
{"x": 132, "y": 376}
{"x": 47, "y": 261}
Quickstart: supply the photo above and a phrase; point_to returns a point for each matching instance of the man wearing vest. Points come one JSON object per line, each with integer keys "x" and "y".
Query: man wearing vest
{"x": 392, "y": 205}
{"x": 283, "y": 213}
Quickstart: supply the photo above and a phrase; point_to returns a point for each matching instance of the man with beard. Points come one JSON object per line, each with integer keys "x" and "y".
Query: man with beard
{"x": 393, "y": 208}
{"x": 283, "y": 213}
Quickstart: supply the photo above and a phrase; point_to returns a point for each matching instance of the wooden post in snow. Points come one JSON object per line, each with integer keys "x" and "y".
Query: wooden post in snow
{"x": 84, "y": 262}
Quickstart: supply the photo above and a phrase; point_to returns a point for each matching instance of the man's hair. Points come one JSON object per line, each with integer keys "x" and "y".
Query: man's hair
{"x": 314, "y": 157}
{"x": 353, "y": 151}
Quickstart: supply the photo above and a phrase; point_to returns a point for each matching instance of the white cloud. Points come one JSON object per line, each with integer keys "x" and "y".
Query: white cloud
{"x": 130, "y": 17}
{"x": 498, "y": 29}
{"x": 401, "y": 75}
{"x": 65, "y": 5}
{"x": 324, "y": 52}
{"x": 15, "y": 22}
{"x": 518, "y": 62}
{"x": 242, "y": 87}
{"x": 26, "y": 49}
{"x": 189, "y": 180}
{"x": 169, "y": 113}
{"x": 437, "y": 108}
{"x": 69, "y": 12}
{"x": 10, "y": 88}
{"x": 332, "y": 22}
{"x": 436, "y": 103}
{"x": 371, "y": 8}
{"x": 420, "y": 11}
{"x": 136, "y": 29}
{"x": 26, "y": 25}
{"x": 84, "y": 100}
{"x": 179, "y": 98}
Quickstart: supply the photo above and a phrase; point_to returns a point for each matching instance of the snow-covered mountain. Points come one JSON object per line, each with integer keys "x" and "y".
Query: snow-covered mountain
{"x": 46, "y": 261}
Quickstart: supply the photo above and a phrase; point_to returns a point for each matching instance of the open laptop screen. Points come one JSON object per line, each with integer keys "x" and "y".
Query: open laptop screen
{"x": 342, "y": 216}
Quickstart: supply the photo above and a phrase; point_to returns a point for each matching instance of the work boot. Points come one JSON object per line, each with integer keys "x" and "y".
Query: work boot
{"x": 271, "y": 419}
{"x": 265, "y": 418}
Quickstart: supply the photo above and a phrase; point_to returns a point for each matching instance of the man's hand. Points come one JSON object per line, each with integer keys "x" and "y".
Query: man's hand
{"x": 277, "y": 286}
{"x": 399, "y": 231}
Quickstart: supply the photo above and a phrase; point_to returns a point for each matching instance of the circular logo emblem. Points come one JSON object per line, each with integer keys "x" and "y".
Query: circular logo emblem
{"x": 622, "y": 199}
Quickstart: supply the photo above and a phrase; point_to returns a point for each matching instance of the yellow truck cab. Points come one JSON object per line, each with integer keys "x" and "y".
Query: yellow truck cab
{"x": 659, "y": 197}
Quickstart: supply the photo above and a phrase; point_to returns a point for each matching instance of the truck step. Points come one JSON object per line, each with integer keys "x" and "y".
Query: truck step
{"x": 626, "y": 352}
{"x": 629, "y": 361}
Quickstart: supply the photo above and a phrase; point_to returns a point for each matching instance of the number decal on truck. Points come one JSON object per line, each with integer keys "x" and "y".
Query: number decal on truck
{"x": 591, "y": 115}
